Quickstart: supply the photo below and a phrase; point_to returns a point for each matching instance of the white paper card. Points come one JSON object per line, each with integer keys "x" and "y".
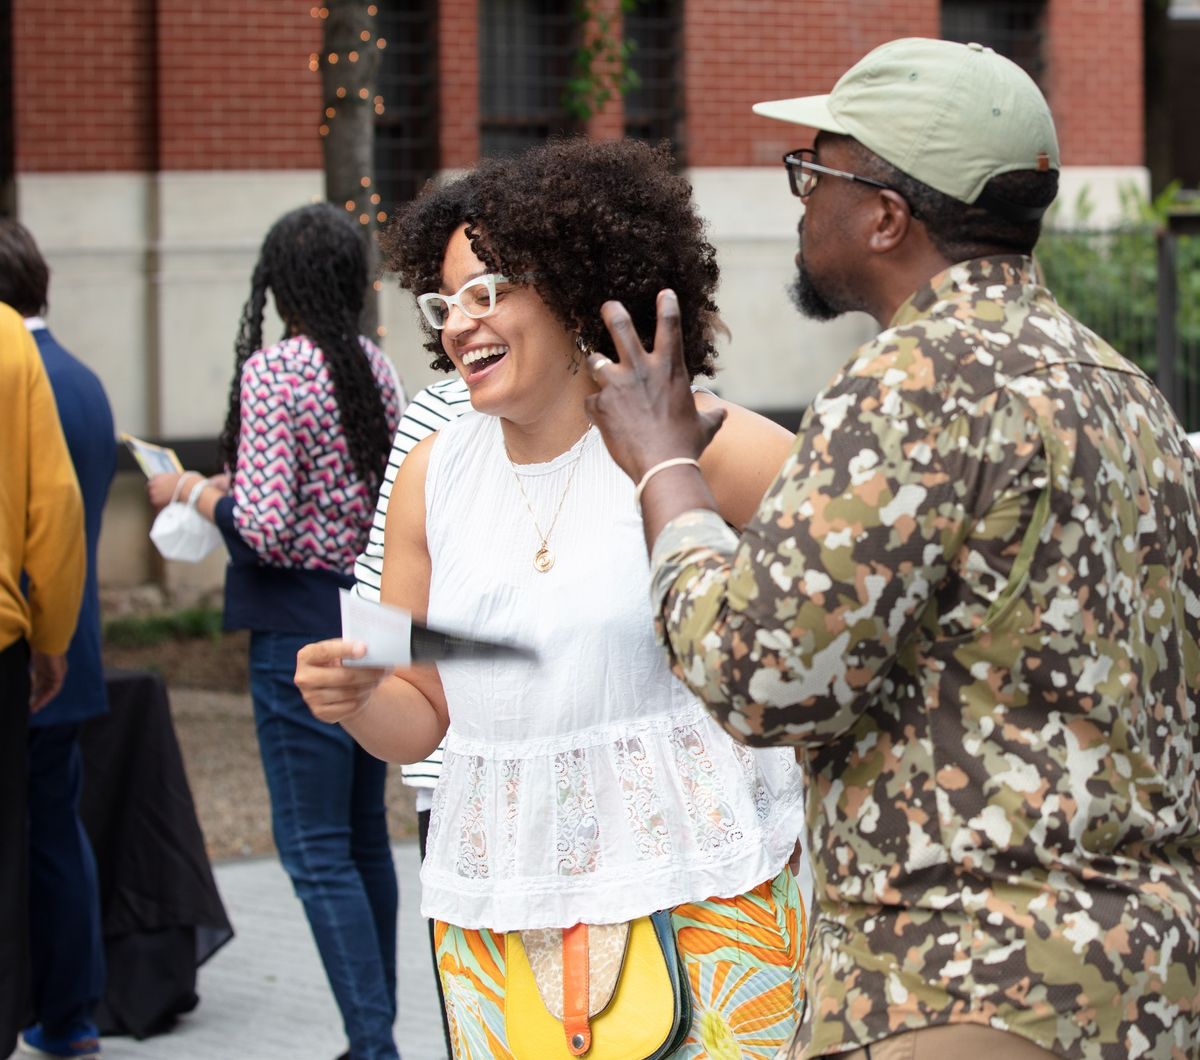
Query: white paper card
{"x": 386, "y": 631}
{"x": 152, "y": 459}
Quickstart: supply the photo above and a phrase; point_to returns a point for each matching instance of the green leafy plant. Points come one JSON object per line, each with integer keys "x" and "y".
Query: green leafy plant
{"x": 145, "y": 631}
{"x": 1108, "y": 279}
{"x": 601, "y": 67}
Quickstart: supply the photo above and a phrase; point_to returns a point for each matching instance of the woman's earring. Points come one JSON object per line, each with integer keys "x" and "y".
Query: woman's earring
{"x": 580, "y": 354}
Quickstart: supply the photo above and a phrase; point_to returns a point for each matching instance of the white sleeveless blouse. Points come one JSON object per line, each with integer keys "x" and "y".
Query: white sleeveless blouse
{"x": 589, "y": 785}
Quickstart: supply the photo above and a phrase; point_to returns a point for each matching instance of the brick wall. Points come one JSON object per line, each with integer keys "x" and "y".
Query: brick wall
{"x": 144, "y": 84}
{"x": 608, "y": 123}
{"x": 1094, "y": 80}
{"x": 81, "y": 85}
{"x": 458, "y": 79}
{"x": 236, "y": 88}
{"x": 738, "y": 52}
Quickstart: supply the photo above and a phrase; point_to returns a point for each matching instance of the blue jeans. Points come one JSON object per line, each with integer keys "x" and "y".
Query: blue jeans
{"x": 66, "y": 946}
{"x": 327, "y": 813}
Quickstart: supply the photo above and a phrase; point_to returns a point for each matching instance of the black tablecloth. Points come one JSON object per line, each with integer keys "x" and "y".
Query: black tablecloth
{"x": 162, "y": 914}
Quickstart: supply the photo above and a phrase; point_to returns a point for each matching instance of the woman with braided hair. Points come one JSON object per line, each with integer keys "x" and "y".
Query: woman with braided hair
{"x": 307, "y": 432}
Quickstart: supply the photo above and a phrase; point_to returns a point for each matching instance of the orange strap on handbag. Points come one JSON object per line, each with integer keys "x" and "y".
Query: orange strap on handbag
{"x": 595, "y": 991}
{"x": 576, "y": 1024}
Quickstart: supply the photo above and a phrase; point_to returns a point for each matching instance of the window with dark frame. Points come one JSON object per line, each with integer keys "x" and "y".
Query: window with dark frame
{"x": 406, "y": 132}
{"x": 526, "y": 54}
{"x": 654, "y": 109}
{"x": 1013, "y": 28}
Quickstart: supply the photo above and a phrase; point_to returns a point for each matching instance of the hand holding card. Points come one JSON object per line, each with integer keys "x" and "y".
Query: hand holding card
{"x": 393, "y": 639}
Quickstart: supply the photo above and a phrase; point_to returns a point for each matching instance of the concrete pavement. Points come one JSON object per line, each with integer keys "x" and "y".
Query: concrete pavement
{"x": 263, "y": 996}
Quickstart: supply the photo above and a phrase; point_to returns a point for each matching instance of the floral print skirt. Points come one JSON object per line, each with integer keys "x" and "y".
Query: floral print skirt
{"x": 743, "y": 958}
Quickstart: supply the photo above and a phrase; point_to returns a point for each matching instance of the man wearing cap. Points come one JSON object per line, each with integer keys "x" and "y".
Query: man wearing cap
{"x": 971, "y": 600}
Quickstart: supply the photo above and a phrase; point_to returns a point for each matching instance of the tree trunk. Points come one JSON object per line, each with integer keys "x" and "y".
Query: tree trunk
{"x": 349, "y": 71}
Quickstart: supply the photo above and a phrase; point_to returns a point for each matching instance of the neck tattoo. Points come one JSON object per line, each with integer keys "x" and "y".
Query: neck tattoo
{"x": 543, "y": 559}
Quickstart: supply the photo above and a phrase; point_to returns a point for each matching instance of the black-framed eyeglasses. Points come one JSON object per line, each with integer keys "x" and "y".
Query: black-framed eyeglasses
{"x": 803, "y": 173}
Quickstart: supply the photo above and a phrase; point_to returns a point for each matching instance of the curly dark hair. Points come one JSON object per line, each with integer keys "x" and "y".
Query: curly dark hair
{"x": 314, "y": 261}
{"x": 587, "y": 222}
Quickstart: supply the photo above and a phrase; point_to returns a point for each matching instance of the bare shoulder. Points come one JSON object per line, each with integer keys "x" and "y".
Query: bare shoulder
{"x": 415, "y": 466}
{"x": 406, "y": 507}
{"x": 743, "y": 459}
{"x": 744, "y": 424}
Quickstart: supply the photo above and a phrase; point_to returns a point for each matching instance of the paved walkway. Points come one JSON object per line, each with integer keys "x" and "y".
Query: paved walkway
{"x": 264, "y": 996}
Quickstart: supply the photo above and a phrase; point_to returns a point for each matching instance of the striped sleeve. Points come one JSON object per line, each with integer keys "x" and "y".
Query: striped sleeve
{"x": 429, "y": 409}
{"x": 432, "y": 407}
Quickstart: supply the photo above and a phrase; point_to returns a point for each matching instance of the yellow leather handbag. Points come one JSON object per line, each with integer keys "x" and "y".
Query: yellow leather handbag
{"x": 601, "y": 991}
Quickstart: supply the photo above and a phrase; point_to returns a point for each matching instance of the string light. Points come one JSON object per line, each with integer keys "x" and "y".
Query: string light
{"x": 332, "y": 58}
{"x": 381, "y": 331}
{"x": 378, "y": 285}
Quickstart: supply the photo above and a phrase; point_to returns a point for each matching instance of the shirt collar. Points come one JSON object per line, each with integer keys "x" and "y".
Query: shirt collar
{"x": 35, "y": 323}
{"x": 966, "y": 277}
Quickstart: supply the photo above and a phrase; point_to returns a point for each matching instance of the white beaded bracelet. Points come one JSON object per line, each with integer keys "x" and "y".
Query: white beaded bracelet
{"x": 677, "y": 461}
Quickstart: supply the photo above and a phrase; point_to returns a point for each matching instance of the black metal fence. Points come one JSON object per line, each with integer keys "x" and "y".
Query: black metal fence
{"x": 1139, "y": 288}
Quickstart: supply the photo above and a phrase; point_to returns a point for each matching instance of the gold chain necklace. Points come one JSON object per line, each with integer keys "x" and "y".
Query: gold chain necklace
{"x": 543, "y": 559}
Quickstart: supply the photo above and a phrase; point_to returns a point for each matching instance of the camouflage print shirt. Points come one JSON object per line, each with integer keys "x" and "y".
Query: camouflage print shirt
{"x": 971, "y": 600}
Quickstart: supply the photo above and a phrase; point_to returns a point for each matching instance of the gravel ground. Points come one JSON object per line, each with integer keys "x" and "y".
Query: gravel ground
{"x": 216, "y": 735}
{"x": 215, "y": 726}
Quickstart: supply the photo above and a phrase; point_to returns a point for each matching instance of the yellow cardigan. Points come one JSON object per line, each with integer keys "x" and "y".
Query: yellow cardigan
{"x": 41, "y": 512}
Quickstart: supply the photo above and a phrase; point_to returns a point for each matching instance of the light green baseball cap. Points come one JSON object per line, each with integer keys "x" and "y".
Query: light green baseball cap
{"x": 950, "y": 115}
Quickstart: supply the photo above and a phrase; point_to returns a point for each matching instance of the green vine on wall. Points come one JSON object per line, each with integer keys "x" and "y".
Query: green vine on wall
{"x": 601, "y": 67}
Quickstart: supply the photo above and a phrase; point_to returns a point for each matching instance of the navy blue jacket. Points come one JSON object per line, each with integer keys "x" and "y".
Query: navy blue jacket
{"x": 87, "y": 422}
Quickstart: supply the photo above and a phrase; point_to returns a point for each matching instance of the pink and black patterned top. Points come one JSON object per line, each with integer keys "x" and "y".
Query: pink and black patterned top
{"x": 297, "y": 499}
{"x": 297, "y": 505}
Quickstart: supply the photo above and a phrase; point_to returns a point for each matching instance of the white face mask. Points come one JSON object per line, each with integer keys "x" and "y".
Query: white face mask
{"x": 182, "y": 533}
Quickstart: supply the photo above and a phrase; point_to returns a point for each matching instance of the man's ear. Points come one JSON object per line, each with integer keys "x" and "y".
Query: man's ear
{"x": 892, "y": 221}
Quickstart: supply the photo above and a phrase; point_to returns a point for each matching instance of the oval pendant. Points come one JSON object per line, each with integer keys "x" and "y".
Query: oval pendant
{"x": 544, "y": 559}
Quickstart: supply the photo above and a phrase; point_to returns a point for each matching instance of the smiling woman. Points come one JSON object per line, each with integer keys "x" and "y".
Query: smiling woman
{"x": 588, "y": 787}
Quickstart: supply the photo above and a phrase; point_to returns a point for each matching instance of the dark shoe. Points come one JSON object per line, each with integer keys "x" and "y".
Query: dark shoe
{"x": 83, "y": 1040}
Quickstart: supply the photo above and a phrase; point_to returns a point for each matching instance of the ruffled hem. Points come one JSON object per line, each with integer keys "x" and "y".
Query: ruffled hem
{"x": 609, "y": 897}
